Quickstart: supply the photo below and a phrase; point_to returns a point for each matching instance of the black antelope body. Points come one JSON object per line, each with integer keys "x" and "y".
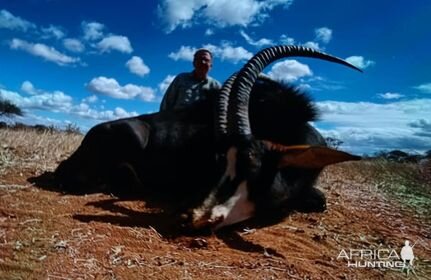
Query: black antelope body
{"x": 247, "y": 149}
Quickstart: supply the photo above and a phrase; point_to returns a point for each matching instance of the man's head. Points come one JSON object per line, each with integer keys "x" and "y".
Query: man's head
{"x": 202, "y": 61}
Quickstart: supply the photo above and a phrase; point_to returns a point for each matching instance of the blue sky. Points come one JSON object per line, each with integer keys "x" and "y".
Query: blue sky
{"x": 84, "y": 62}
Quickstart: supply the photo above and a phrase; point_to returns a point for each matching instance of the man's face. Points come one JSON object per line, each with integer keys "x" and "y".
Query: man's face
{"x": 203, "y": 62}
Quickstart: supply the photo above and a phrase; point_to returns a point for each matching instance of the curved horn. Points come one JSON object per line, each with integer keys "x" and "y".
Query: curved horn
{"x": 238, "y": 119}
{"x": 222, "y": 105}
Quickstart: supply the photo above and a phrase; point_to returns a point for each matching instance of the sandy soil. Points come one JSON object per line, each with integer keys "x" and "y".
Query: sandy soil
{"x": 45, "y": 234}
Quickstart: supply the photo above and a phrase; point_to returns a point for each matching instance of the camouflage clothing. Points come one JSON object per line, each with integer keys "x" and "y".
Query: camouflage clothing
{"x": 186, "y": 89}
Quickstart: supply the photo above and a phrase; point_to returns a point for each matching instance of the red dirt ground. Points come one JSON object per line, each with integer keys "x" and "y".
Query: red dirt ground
{"x": 48, "y": 235}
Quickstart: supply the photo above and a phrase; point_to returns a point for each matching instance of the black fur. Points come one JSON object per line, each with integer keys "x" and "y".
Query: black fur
{"x": 173, "y": 152}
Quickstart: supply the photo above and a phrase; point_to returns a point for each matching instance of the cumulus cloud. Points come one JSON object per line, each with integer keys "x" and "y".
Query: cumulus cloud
{"x": 367, "y": 127}
{"x": 56, "y": 101}
{"x": 92, "y": 30}
{"x": 184, "y": 53}
{"x": 226, "y": 52}
{"x": 286, "y": 40}
{"x": 227, "y": 13}
{"x": 28, "y": 88}
{"x": 137, "y": 66}
{"x": 360, "y": 61}
{"x": 73, "y": 45}
{"x": 85, "y": 111}
{"x": 323, "y": 34}
{"x": 259, "y": 43}
{"x": 312, "y": 45}
{"x": 9, "y": 21}
{"x": 115, "y": 42}
{"x": 44, "y": 51}
{"x": 425, "y": 88}
{"x": 289, "y": 71}
{"x": 390, "y": 95}
{"x": 217, "y": 13}
{"x": 110, "y": 87}
{"x": 52, "y": 32}
{"x": 90, "y": 99}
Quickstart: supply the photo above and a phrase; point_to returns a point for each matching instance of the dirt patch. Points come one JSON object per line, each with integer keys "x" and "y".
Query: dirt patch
{"x": 45, "y": 234}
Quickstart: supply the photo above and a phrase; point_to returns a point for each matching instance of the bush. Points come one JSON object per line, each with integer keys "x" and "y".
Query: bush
{"x": 399, "y": 156}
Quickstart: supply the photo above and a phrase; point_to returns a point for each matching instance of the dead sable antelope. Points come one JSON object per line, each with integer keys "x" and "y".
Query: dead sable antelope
{"x": 247, "y": 150}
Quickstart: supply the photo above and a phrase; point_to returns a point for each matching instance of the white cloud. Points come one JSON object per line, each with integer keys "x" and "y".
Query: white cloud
{"x": 44, "y": 51}
{"x": 9, "y": 21}
{"x": 227, "y": 13}
{"x": 110, "y": 87}
{"x": 285, "y": 40}
{"x": 226, "y": 52}
{"x": 367, "y": 127}
{"x": 209, "y": 32}
{"x": 52, "y": 32}
{"x": 90, "y": 99}
{"x": 137, "y": 66}
{"x": 312, "y": 45}
{"x": 230, "y": 53}
{"x": 219, "y": 13}
{"x": 323, "y": 34}
{"x": 184, "y": 53}
{"x": 176, "y": 13}
{"x": 390, "y": 95}
{"x": 85, "y": 111}
{"x": 56, "y": 101}
{"x": 121, "y": 113}
{"x": 73, "y": 45}
{"x": 92, "y": 30}
{"x": 360, "y": 61}
{"x": 115, "y": 42}
{"x": 28, "y": 88}
{"x": 106, "y": 43}
{"x": 289, "y": 71}
{"x": 425, "y": 88}
{"x": 163, "y": 86}
{"x": 259, "y": 43}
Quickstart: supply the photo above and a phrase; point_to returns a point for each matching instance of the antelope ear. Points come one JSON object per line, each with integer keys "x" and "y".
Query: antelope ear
{"x": 305, "y": 156}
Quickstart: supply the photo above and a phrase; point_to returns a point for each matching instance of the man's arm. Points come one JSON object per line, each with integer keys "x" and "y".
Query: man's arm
{"x": 170, "y": 96}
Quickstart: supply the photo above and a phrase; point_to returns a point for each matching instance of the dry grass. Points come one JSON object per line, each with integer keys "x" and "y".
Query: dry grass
{"x": 406, "y": 183}
{"x": 29, "y": 149}
{"x": 50, "y": 235}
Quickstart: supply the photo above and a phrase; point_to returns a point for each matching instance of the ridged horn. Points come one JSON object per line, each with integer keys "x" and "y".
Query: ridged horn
{"x": 222, "y": 106}
{"x": 238, "y": 120}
